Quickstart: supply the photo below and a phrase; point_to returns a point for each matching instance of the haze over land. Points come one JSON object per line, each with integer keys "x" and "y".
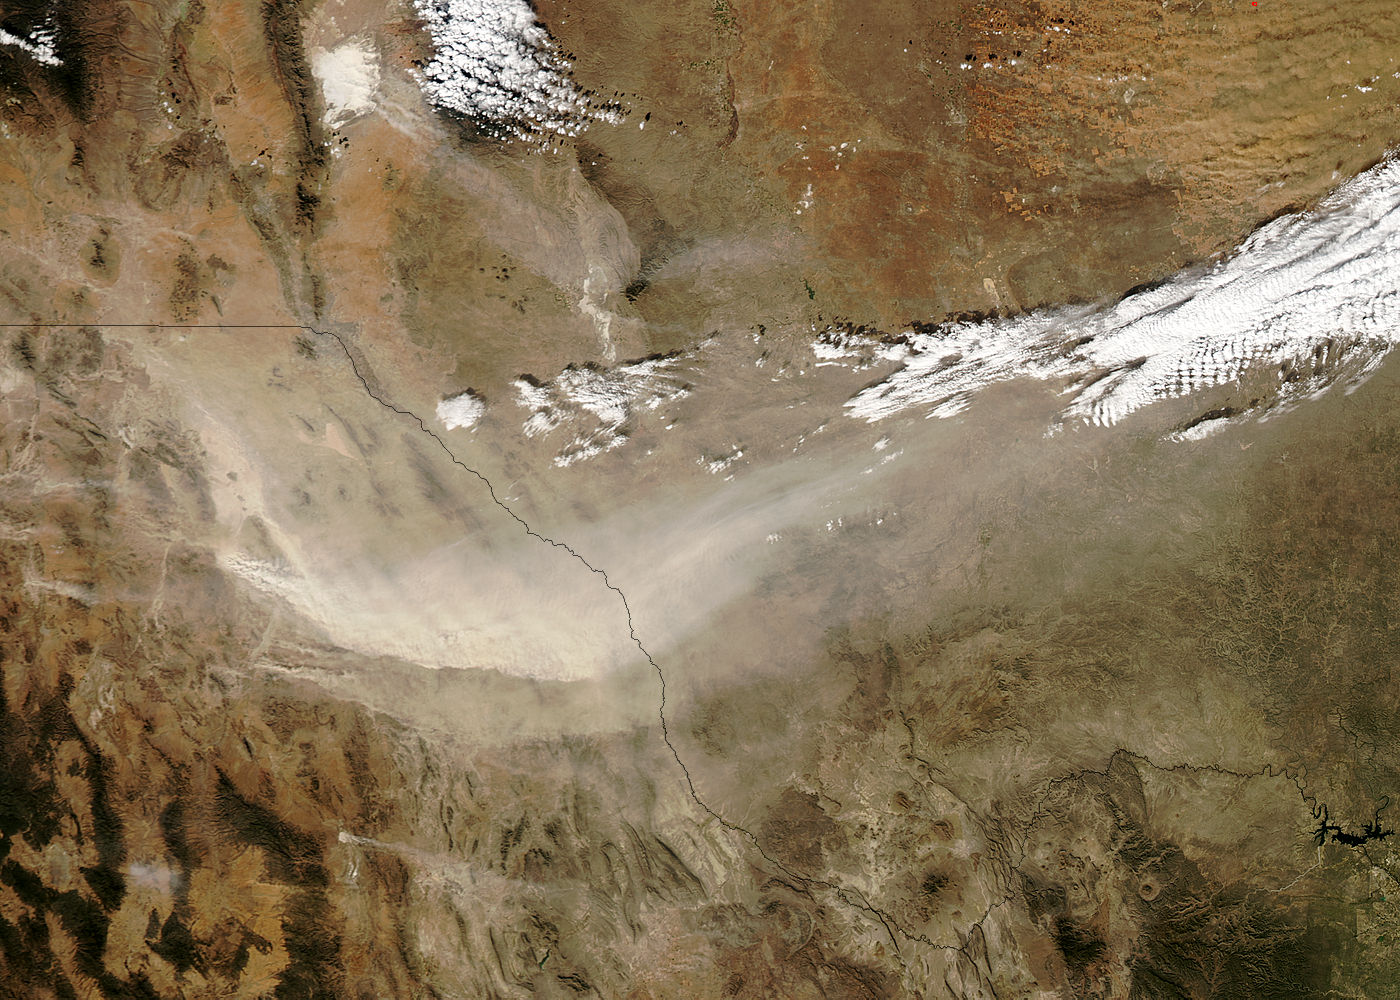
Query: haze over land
{"x": 711, "y": 500}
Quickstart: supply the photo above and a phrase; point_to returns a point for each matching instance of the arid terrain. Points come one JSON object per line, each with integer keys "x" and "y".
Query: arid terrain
{"x": 717, "y": 499}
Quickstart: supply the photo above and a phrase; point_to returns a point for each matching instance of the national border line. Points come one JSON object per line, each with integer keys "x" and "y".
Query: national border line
{"x": 851, "y": 897}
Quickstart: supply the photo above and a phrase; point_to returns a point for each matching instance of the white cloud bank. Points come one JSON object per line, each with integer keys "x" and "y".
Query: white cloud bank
{"x": 1314, "y": 294}
{"x": 41, "y": 45}
{"x": 461, "y": 410}
{"x": 496, "y": 65}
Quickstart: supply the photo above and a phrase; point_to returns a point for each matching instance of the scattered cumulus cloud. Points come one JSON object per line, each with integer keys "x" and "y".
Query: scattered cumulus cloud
{"x": 595, "y": 404}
